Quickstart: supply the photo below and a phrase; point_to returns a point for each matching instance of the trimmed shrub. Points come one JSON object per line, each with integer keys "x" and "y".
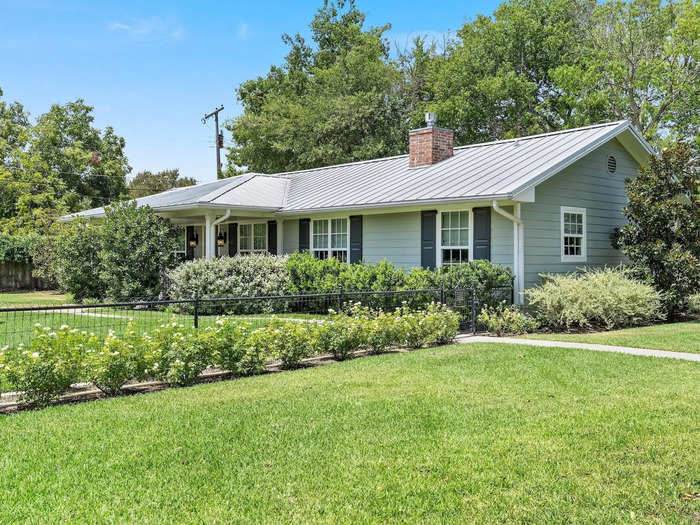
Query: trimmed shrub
{"x": 179, "y": 354}
{"x": 137, "y": 249}
{"x": 605, "y": 298}
{"x": 118, "y": 361}
{"x": 248, "y": 276}
{"x": 228, "y": 343}
{"x": 340, "y": 336}
{"x": 46, "y": 369}
{"x": 441, "y": 323}
{"x": 290, "y": 341}
{"x": 504, "y": 319}
{"x": 77, "y": 263}
{"x": 694, "y": 304}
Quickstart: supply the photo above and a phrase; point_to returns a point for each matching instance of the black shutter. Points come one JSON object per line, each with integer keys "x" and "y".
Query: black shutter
{"x": 428, "y": 247}
{"x": 356, "y": 238}
{"x": 304, "y": 234}
{"x": 232, "y": 239}
{"x": 189, "y": 236}
{"x": 482, "y": 233}
{"x": 272, "y": 237}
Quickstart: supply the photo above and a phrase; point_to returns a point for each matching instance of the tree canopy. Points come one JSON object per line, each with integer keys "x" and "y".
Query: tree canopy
{"x": 147, "y": 183}
{"x": 531, "y": 66}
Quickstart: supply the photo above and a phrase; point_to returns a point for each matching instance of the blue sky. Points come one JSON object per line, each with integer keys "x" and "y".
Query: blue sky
{"x": 152, "y": 69}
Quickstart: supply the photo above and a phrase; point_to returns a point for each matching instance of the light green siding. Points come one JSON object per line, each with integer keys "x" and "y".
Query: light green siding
{"x": 392, "y": 236}
{"x": 502, "y": 238}
{"x": 585, "y": 184}
{"x": 290, "y": 236}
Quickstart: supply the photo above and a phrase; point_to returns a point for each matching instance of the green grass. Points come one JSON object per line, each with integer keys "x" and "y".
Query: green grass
{"x": 479, "y": 433}
{"x": 18, "y": 327}
{"x": 42, "y": 298}
{"x": 677, "y": 337}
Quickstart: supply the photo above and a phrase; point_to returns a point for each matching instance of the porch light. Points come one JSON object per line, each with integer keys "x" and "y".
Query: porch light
{"x": 193, "y": 241}
{"x": 221, "y": 239}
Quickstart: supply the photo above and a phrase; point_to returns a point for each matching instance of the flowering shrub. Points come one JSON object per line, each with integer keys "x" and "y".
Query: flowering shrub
{"x": 117, "y": 361}
{"x": 506, "y": 320}
{"x": 178, "y": 354}
{"x": 46, "y": 369}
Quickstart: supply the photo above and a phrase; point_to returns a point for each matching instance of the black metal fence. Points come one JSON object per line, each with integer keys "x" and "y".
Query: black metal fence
{"x": 19, "y": 325}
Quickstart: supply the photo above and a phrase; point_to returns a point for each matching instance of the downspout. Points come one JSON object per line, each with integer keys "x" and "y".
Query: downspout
{"x": 518, "y": 247}
{"x": 216, "y": 223}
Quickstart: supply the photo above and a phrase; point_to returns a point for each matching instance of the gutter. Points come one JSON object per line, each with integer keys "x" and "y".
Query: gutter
{"x": 222, "y": 218}
{"x": 507, "y": 215}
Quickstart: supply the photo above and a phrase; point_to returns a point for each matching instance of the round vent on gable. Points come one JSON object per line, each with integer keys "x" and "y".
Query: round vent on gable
{"x": 612, "y": 164}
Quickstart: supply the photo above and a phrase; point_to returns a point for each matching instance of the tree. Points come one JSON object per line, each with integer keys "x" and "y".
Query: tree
{"x": 137, "y": 249}
{"x": 89, "y": 165}
{"x": 148, "y": 183}
{"x": 496, "y": 79}
{"x": 76, "y": 264}
{"x": 663, "y": 234}
{"x": 333, "y": 100}
{"x": 639, "y": 61}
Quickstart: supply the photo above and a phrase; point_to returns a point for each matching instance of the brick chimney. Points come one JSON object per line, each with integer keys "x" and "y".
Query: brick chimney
{"x": 430, "y": 144}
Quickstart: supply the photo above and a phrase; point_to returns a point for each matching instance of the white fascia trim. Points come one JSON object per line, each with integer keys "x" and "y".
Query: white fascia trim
{"x": 568, "y": 161}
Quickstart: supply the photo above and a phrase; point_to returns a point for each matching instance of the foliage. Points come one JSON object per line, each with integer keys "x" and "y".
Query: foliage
{"x": 441, "y": 323}
{"x": 694, "y": 304}
{"x": 228, "y": 343}
{"x": 58, "y": 164}
{"x": 341, "y": 336}
{"x": 332, "y": 101}
{"x": 291, "y": 341}
{"x": 605, "y": 298}
{"x": 43, "y": 256}
{"x": 179, "y": 354}
{"x": 137, "y": 249}
{"x": 662, "y": 236}
{"x": 504, "y": 319}
{"x": 46, "y": 369}
{"x": 117, "y": 361}
{"x": 17, "y": 248}
{"x": 148, "y": 183}
{"x": 76, "y": 261}
{"x": 250, "y": 276}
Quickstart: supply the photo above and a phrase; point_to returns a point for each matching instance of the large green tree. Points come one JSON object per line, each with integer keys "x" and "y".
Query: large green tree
{"x": 640, "y": 60}
{"x": 333, "y": 100}
{"x": 147, "y": 183}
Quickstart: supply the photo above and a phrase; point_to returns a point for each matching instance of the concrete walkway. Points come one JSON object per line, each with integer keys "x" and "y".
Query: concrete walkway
{"x": 466, "y": 338}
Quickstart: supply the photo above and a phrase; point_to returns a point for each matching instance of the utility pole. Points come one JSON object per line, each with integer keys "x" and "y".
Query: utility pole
{"x": 219, "y": 137}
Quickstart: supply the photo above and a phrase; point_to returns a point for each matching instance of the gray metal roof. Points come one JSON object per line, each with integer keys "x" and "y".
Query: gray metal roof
{"x": 500, "y": 169}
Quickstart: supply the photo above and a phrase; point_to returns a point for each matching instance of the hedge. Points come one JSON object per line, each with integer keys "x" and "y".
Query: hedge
{"x": 17, "y": 248}
{"x": 178, "y": 355}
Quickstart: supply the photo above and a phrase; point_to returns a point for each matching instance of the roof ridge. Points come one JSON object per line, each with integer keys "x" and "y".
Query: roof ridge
{"x": 547, "y": 134}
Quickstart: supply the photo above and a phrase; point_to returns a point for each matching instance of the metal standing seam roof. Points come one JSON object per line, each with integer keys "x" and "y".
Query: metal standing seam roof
{"x": 500, "y": 169}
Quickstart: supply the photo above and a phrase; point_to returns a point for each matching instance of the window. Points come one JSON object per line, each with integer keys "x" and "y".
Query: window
{"x": 454, "y": 237}
{"x": 573, "y": 234}
{"x": 252, "y": 238}
{"x": 330, "y": 239}
{"x": 181, "y": 250}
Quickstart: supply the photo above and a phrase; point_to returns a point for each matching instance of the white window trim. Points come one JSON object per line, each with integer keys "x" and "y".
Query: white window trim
{"x": 330, "y": 250}
{"x": 584, "y": 236}
{"x": 438, "y": 231}
{"x": 252, "y": 236}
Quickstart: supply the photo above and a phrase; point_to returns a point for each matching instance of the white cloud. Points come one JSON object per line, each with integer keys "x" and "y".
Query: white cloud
{"x": 243, "y": 32}
{"x": 153, "y": 28}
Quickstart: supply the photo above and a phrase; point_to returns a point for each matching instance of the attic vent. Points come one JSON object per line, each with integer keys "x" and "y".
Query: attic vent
{"x": 612, "y": 164}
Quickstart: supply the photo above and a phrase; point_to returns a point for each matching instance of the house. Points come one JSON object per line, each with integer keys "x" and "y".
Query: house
{"x": 541, "y": 203}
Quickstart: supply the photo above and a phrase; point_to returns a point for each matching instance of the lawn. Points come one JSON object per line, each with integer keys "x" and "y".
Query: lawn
{"x": 677, "y": 337}
{"x": 479, "y": 433}
{"x": 42, "y": 298}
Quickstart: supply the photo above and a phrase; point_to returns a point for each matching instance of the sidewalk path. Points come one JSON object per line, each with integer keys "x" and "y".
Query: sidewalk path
{"x": 466, "y": 338}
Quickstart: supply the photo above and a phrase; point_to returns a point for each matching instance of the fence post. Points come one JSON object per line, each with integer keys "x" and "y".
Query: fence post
{"x": 512, "y": 291}
{"x": 196, "y": 308}
{"x": 442, "y": 294}
{"x": 340, "y": 298}
{"x": 473, "y": 310}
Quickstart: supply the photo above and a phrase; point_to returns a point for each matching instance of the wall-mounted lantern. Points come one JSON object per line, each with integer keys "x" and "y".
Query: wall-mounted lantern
{"x": 194, "y": 240}
{"x": 221, "y": 239}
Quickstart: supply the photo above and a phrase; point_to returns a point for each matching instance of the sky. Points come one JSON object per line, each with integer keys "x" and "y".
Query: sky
{"x": 152, "y": 69}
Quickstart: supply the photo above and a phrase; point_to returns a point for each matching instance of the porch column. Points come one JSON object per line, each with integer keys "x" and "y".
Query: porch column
{"x": 519, "y": 284}
{"x": 209, "y": 237}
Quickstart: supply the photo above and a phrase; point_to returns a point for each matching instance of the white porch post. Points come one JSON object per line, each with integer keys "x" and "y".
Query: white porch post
{"x": 209, "y": 237}
{"x": 280, "y": 237}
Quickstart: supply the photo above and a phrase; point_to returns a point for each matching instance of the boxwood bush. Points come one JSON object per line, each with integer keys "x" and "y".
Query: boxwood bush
{"x": 594, "y": 299}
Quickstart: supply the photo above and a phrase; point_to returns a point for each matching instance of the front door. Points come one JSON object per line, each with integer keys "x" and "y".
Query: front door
{"x": 482, "y": 233}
